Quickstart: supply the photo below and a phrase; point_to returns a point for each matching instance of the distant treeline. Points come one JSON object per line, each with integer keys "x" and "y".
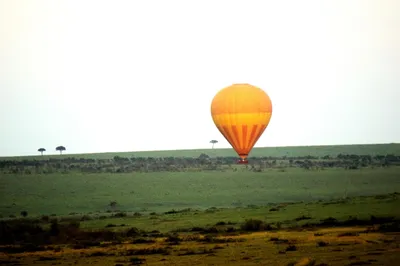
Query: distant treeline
{"x": 203, "y": 162}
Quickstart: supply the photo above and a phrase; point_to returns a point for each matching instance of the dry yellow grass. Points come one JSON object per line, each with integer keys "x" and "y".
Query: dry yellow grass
{"x": 320, "y": 247}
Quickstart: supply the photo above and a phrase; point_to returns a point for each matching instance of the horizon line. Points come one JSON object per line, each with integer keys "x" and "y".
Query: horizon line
{"x": 194, "y": 149}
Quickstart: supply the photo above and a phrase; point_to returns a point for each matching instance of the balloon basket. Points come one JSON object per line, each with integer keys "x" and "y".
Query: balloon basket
{"x": 242, "y": 161}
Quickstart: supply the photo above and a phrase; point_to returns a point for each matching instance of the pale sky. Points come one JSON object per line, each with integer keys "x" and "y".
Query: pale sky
{"x": 110, "y": 76}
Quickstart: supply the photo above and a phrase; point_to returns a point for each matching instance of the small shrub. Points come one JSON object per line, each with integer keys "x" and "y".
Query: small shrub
{"x": 279, "y": 225}
{"x": 348, "y": 234}
{"x": 291, "y": 248}
{"x": 120, "y": 214}
{"x": 110, "y": 225}
{"x": 322, "y": 244}
{"x": 97, "y": 254}
{"x": 136, "y": 261}
{"x": 211, "y": 239}
{"x": 46, "y": 258}
{"x": 254, "y": 225}
{"x": 390, "y": 227}
{"x": 303, "y": 217}
{"x": 86, "y": 218}
{"x": 197, "y": 229}
{"x": 45, "y": 218}
{"x": 133, "y": 232}
{"x": 143, "y": 241}
{"x": 173, "y": 239}
{"x": 330, "y": 221}
{"x": 171, "y": 212}
{"x": 54, "y": 227}
{"x": 147, "y": 251}
{"x": 278, "y": 240}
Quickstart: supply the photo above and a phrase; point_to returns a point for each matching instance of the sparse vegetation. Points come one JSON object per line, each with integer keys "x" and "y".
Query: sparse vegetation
{"x": 321, "y": 158}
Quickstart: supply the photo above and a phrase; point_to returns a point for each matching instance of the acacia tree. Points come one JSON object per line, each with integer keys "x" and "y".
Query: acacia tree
{"x": 61, "y": 149}
{"x": 213, "y": 142}
{"x": 41, "y": 150}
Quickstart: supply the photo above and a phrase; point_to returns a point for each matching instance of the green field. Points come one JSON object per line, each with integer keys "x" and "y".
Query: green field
{"x": 65, "y": 193}
{"x": 319, "y": 151}
{"x": 61, "y": 192}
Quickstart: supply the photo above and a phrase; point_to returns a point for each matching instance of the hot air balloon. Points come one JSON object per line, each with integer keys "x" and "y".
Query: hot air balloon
{"x": 241, "y": 112}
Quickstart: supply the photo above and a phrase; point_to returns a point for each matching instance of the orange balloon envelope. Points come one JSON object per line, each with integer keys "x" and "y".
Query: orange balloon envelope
{"x": 241, "y": 113}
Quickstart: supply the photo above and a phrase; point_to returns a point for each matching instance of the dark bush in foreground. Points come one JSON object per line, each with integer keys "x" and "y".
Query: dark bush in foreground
{"x": 291, "y": 248}
{"x": 147, "y": 251}
{"x": 303, "y": 217}
{"x": 120, "y": 214}
{"x": 322, "y": 244}
{"x": 137, "y": 261}
{"x": 133, "y": 232}
{"x": 211, "y": 239}
{"x": 354, "y": 221}
{"x": 255, "y": 225}
{"x": 173, "y": 239}
{"x": 390, "y": 227}
{"x": 16, "y": 232}
{"x": 278, "y": 240}
{"x": 348, "y": 234}
{"x": 143, "y": 241}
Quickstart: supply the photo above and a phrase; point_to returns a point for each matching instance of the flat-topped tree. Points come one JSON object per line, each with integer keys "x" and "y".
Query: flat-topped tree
{"x": 41, "y": 150}
{"x": 213, "y": 142}
{"x": 61, "y": 149}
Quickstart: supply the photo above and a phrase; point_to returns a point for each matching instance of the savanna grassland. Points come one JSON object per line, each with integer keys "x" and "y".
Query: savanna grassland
{"x": 322, "y": 205}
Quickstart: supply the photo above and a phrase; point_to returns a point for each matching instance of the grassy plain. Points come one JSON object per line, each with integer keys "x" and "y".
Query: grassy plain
{"x": 294, "y": 244}
{"x": 287, "y": 198}
{"x": 287, "y": 214}
{"x": 61, "y": 194}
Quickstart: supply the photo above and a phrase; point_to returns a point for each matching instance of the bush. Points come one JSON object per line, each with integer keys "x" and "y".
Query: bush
{"x": 255, "y": 225}
{"x": 136, "y": 261}
{"x": 132, "y": 232}
{"x": 390, "y": 227}
{"x": 173, "y": 239}
{"x": 143, "y": 241}
{"x": 120, "y": 214}
{"x": 291, "y": 248}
